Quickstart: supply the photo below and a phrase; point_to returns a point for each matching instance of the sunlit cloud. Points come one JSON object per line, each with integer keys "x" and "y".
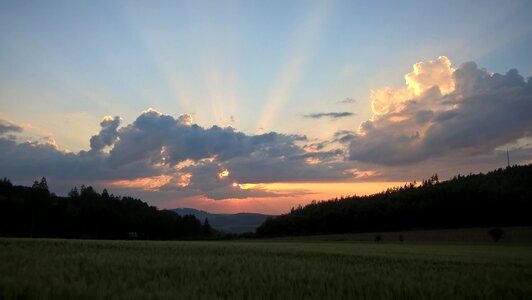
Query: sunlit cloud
{"x": 312, "y": 160}
{"x": 247, "y": 186}
{"x": 432, "y": 73}
{"x": 223, "y": 174}
{"x": 425, "y": 75}
{"x": 147, "y": 183}
{"x": 388, "y": 100}
{"x": 327, "y": 190}
{"x": 182, "y": 179}
{"x": 362, "y": 174}
{"x": 184, "y": 164}
{"x": 443, "y": 111}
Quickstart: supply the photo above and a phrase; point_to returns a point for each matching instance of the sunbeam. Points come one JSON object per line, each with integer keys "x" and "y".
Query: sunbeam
{"x": 302, "y": 47}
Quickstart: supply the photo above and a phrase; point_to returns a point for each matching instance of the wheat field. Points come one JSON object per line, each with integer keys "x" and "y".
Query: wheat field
{"x": 94, "y": 269}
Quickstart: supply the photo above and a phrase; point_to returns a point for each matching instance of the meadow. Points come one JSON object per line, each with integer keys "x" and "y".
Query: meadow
{"x": 89, "y": 269}
{"x": 518, "y": 235}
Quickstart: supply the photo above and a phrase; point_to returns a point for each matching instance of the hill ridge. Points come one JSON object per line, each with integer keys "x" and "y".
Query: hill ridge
{"x": 502, "y": 197}
{"x": 235, "y": 223}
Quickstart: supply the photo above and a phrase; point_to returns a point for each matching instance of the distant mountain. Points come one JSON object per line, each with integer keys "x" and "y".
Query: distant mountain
{"x": 237, "y": 223}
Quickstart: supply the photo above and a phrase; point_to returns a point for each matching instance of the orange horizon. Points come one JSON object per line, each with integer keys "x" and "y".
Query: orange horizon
{"x": 308, "y": 192}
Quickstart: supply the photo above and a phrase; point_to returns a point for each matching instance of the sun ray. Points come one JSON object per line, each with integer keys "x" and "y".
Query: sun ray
{"x": 303, "y": 47}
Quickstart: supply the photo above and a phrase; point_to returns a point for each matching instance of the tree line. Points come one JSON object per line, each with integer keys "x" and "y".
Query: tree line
{"x": 502, "y": 197}
{"x": 36, "y": 212}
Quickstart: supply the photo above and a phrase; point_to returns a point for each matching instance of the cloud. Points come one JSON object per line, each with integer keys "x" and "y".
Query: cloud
{"x": 108, "y": 134}
{"x": 185, "y": 119}
{"x": 444, "y": 112}
{"x": 429, "y": 74}
{"x": 7, "y": 127}
{"x": 347, "y": 100}
{"x": 161, "y": 138}
{"x": 435, "y": 123}
{"x": 433, "y": 76}
{"x": 344, "y": 136}
{"x": 332, "y": 115}
{"x": 172, "y": 155}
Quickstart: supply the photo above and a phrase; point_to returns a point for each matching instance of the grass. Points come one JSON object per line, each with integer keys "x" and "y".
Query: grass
{"x": 479, "y": 235}
{"x": 85, "y": 269}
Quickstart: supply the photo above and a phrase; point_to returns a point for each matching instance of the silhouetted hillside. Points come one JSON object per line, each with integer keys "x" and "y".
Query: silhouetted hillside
{"x": 234, "y": 223}
{"x": 35, "y": 212}
{"x": 500, "y": 198}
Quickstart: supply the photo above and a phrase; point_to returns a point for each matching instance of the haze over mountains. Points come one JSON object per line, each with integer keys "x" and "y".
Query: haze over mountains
{"x": 235, "y": 223}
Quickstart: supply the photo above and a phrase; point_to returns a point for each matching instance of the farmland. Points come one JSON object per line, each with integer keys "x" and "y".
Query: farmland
{"x": 88, "y": 269}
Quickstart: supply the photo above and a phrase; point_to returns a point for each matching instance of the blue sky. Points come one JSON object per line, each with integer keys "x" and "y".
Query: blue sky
{"x": 90, "y": 59}
{"x": 257, "y": 66}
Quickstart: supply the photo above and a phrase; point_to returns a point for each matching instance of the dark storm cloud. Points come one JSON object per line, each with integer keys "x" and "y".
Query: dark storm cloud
{"x": 6, "y": 127}
{"x": 485, "y": 111}
{"x": 332, "y": 115}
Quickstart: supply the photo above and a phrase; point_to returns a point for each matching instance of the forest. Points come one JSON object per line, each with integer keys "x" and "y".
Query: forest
{"x": 502, "y": 197}
{"x": 36, "y": 212}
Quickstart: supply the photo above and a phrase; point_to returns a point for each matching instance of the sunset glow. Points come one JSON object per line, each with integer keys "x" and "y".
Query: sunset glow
{"x": 301, "y": 149}
{"x": 261, "y": 106}
{"x": 146, "y": 183}
{"x": 223, "y": 174}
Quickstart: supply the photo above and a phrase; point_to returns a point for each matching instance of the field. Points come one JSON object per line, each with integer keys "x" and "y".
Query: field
{"x": 511, "y": 236}
{"x": 89, "y": 269}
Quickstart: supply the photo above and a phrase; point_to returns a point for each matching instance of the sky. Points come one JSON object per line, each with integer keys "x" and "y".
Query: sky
{"x": 260, "y": 106}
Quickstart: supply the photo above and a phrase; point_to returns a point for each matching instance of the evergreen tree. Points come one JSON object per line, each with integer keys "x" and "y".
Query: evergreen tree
{"x": 73, "y": 193}
{"x": 499, "y": 198}
{"x": 43, "y": 184}
{"x": 207, "y": 229}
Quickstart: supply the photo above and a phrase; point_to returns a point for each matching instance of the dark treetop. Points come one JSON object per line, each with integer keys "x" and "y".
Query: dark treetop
{"x": 500, "y": 198}
{"x": 35, "y": 212}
